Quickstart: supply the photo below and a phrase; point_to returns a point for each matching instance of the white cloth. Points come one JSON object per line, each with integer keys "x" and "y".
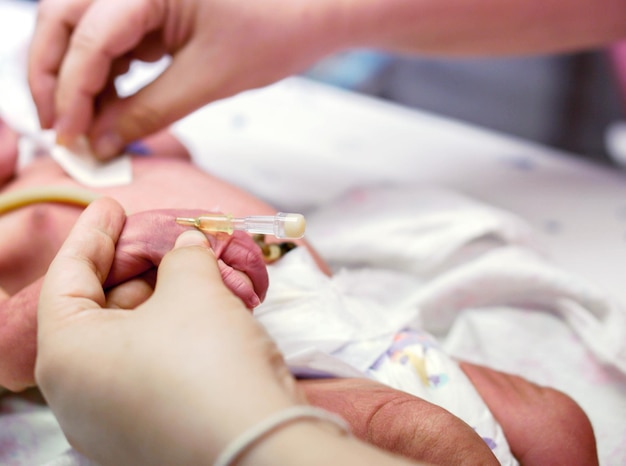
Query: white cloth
{"x": 434, "y": 260}
{"x": 327, "y": 326}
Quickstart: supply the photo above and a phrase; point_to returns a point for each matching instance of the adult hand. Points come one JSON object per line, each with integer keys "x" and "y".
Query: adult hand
{"x": 146, "y": 238}
{"x": 218, "y": 48}
{"x": 122, "y": 383}
{"x": 139, "y": 387}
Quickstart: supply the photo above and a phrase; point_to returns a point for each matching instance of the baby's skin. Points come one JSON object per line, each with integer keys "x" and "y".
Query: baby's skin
{"x": 32, "y": 235}
{"x": 166, "y": 185}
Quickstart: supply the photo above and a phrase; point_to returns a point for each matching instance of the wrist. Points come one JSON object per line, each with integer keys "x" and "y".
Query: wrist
{"x": 321, "y": 28}
{"x": 259, "y": 441}
{"x": 298, "y": 443}
{"x": 346, "y": 24}
{"x": 312, "y": 443}
{"x": 303, "y": 435}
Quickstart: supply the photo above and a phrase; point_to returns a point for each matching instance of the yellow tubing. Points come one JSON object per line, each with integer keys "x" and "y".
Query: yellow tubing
{"x": 62, "y": 194}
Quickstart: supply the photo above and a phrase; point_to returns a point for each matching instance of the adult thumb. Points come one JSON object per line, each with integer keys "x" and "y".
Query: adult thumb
{"x": 73, "y": 282}
{"x": 189, "y": 278}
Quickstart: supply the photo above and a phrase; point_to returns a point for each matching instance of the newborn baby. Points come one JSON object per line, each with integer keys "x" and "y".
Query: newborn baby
{"x": 166, "y": 185}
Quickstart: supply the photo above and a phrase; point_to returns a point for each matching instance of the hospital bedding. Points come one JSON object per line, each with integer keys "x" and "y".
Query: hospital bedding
{"x": 563, "y": 257}
{"x": 511, "y": 254}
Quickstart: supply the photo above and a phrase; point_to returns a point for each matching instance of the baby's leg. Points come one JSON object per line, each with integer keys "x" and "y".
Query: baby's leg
{"x": 542, "y": 425}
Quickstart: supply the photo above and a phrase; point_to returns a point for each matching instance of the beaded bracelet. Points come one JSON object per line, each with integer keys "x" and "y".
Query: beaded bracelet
{"x": 270, "y": 425}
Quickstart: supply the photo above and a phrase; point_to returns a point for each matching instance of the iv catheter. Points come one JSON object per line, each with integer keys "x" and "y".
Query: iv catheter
{"x": 281, "y": 225}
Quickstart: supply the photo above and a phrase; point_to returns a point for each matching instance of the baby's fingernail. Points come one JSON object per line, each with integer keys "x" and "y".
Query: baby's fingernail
{"x": 108, "y": 145}
{"x": 254, "y": 301}
{"x": 192, "y": 238}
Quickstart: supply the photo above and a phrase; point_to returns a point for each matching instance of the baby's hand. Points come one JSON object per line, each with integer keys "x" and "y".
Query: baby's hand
{"x": 148, "y": 236}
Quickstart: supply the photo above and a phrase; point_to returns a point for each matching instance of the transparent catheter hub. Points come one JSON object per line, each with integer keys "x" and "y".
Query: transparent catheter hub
{"x": 281, "y": 225}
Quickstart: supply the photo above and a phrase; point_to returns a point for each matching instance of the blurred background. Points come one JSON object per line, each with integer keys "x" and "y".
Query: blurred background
{"x": 564, "y": 101}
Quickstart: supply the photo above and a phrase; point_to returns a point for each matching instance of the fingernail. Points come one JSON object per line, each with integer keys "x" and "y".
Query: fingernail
{"x": 254, "y": 301}
{"x": 108, "y": 145}
{"x": 80, "y": 147}
{"x": 138, "y": 148}
{"x": 63, "y": 140}
{"x": 191, "y": 238}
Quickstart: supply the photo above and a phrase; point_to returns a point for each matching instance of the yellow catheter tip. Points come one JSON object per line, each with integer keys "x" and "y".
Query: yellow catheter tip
{"x": 190, "y": 222}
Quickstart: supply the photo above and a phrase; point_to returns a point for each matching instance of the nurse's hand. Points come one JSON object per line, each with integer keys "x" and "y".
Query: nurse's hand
{"x": 189, "y": 367}
{"x": 218, "y": 48}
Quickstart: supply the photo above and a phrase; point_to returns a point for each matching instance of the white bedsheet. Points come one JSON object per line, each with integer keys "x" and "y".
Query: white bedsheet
{"x": 285, "y": 141}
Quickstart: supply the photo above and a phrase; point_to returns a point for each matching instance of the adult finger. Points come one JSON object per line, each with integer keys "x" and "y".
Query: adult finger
{"x": 174, "y": 94}
{"x": 189, "y": 289}
{"x": 107, "y": 30}
{"x": 189, "y": 277}
{"x": 55, "y": 22}
{"x": 132, "y": 293}
{"x": 74, "y": 279}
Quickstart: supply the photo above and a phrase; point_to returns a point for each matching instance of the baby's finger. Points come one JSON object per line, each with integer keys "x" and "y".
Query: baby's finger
{"x": 150, "y": 235}
{"x": 74, "y": 279}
